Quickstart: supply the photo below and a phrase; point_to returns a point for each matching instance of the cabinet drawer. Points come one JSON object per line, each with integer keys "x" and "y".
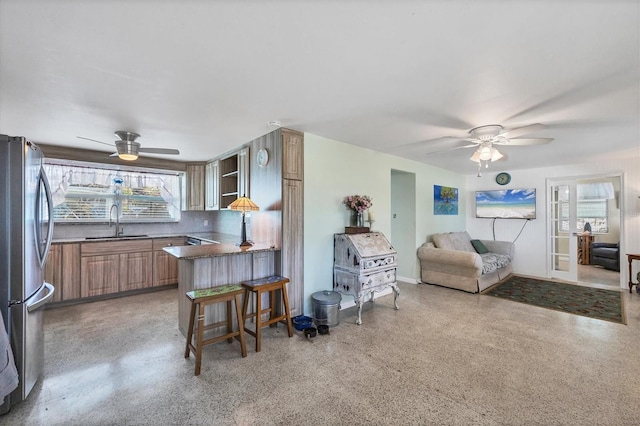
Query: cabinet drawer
{"x": 160, "y": 243}
{"x": 126, "y": 246}
{"x": 378, "y": 279}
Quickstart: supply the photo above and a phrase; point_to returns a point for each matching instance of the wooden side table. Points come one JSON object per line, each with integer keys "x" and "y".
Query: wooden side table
{"x": 631, "y": 257}
{"x": 584, "y": 249}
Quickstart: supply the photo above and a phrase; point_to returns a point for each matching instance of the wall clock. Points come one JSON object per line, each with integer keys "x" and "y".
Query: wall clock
{"x": 503, "y": 178}
{"x": 262, "y": 157}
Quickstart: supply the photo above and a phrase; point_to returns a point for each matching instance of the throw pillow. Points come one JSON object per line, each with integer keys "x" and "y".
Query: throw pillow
{"x": 479, "y": 246}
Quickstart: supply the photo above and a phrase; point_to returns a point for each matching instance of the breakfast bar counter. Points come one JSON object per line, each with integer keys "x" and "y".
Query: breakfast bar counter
{"x": 212, "y": 265}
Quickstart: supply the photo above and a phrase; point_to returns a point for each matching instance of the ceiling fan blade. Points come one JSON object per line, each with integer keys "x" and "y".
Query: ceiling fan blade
{"x": 474, "y": 145}
{"x": 424, "y": 143}
{"x": 159, "y": 151}
{"x": 621, "y": 79}
{"x": 524, "y": 130}
{"x": 93, "y": 140}
{"x": 115, "y": 154}
{"x": 523, "y": 141}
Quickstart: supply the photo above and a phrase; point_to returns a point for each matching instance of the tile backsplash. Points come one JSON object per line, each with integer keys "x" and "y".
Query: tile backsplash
{"x": 224, "y": 221}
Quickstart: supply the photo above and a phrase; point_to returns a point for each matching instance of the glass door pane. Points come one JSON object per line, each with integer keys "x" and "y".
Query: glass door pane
{"x": 562, "y": 243}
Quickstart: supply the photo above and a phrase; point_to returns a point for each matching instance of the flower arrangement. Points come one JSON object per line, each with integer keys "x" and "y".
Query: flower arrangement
{"x": 357, "y": 203}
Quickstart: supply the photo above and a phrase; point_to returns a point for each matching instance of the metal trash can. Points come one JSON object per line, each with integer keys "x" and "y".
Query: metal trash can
{"x": 326, "y": 307}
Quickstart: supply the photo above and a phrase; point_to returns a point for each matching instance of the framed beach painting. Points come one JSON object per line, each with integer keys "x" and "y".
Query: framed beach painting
{"x": 445, "y": 200}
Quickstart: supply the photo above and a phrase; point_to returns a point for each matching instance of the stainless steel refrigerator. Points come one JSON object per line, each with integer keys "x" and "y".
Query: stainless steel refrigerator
{"x": 26, "y": 228}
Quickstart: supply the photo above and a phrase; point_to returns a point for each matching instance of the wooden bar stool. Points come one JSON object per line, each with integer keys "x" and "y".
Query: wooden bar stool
{"x": 258, "y": 287}
{"x": 207, "y": 296}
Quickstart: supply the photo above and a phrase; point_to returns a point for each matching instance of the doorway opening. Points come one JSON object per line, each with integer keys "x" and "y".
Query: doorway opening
{"x": 599, "y": 216}
{"x": 403, "y": 223}
{"x": 585, "y": 229}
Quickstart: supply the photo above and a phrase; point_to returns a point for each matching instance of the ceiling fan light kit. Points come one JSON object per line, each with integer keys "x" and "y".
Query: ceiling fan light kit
{"x": 493, "y": 134}
{"x": 127, "y": 146}
{"x": 128, "y": 150}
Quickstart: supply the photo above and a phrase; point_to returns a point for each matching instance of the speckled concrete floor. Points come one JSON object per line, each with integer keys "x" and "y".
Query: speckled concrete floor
{"x": 446, "y": 357}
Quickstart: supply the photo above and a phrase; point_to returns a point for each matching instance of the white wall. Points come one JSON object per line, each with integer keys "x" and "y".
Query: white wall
{"x": 334, "y": 170}
{"x": 530, "y": 258}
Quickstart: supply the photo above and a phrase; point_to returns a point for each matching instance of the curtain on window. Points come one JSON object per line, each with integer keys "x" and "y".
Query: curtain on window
{"x": 86, "y": 194}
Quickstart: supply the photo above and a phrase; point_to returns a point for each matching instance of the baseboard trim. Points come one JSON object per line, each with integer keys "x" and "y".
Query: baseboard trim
{"x": 408, "y": 280}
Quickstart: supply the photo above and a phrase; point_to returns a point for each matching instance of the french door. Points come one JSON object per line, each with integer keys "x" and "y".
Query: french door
{"x": 562, "y": 244}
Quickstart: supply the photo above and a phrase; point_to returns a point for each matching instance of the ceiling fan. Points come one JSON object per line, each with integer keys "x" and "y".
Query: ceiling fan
{"x": 127, "y": 147}
{"x": 483, "y": 138}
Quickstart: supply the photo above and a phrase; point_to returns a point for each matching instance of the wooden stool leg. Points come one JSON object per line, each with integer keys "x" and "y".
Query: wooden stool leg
{"x": 187, "y": 350}
{"x": 243, "y": 341}
{"x": 230, "y": 320}
{"x": 258, "y": 319}
{"x": 199, "y": 342}
{"x": 245, "y": 305}
{"x": 272, "y": 305}
{"x": 285, "y": 300}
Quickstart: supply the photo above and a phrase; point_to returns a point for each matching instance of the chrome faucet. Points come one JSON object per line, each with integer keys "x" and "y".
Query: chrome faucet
{"x": 119, "y": 230}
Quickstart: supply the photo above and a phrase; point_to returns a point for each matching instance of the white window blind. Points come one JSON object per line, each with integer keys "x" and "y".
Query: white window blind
{"x": 594, "y": 212}
{"x": 84, "y": 194}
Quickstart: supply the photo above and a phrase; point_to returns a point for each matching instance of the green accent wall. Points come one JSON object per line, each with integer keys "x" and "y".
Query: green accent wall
{"x": 336, "y": 169}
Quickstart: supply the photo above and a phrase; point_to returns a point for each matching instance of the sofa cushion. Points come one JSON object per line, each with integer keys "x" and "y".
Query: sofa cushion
{"x": 460, "y": 241}
{"x": 493, "y": 261}
{"x": 479, "y": 246}
{"x": 611, "y": 253}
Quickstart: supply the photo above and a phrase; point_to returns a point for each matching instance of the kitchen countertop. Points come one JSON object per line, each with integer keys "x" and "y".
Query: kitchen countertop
{"x": 215, "y": 250}
{"x": 226, "y": 244}
{"x": 208, "y": 236}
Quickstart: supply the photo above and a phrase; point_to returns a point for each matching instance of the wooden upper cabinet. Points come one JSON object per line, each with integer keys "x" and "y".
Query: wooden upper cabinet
{"x": 195, "y": 188}
{"x": 243, "y": 172}
{"x": 234, "y": 177}
{"x": 292, "y": 154}
{"x": 212, "y": 185}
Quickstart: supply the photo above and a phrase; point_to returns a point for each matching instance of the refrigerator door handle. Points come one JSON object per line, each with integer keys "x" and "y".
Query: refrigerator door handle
{"x": 47, "y": 189}
{"x": 32, "y": 306}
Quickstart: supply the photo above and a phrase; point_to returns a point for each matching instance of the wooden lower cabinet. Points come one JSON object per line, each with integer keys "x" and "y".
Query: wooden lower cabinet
{"x": 165, "y": 268}
{"x": 79, "y": 270}
{"x": 53, "y": 271}
{"x": 136, "y": 271}
{"x": 100, "y": 275}
{"x": 63, "y": 271}
{"x": 116, "y": 272}
{"x": 292, "y": 251}
{"x": 70, "y": 271}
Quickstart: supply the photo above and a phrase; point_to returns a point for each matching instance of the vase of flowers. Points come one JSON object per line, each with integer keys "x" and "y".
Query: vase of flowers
{"x": 357, "y": 204}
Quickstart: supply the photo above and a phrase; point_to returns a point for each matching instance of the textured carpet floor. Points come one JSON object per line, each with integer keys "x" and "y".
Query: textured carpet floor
{"x": 575, "y": 299}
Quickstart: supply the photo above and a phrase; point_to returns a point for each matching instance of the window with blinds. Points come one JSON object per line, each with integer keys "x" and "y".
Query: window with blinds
{"x": 592, "y": 211}
{"x": 89, "y": 193}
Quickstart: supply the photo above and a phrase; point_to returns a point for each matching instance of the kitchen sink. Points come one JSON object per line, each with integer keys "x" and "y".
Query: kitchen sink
{"x": 119, "y": 237}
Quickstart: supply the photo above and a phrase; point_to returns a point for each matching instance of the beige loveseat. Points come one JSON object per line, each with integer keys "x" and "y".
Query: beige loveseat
{"x": 452, "y": 261}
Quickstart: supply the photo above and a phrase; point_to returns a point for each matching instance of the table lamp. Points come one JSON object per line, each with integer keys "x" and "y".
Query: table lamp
{"x": 244, "y": 204}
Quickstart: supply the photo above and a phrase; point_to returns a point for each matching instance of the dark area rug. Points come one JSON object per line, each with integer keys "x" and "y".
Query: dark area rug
{"x": 574, "y": 299}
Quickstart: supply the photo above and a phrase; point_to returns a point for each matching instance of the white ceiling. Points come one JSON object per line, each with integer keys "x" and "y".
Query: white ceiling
{"x": 207, "y": 76}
